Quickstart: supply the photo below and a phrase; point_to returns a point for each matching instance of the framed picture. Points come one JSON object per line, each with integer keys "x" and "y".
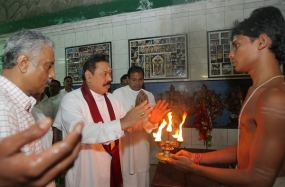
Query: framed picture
{"x": 162, "y": 57}
{"x": 219, "y": 48}
{"x": 75, "y": 58}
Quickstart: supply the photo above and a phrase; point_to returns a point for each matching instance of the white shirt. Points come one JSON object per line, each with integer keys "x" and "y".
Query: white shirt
{"x": 47, "y": 138}
{"x": 92, "y": 167}
{"x": 135, "y": 146}
{"x": 63, "y": 92}
{"x": 47, "y": 107}
{"x": 56, "y": 101}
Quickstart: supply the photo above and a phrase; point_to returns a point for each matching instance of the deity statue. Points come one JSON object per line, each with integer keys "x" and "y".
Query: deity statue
{"x": 202, "y": 96}
{"x": 173, "y": 96}
{"x": 215, "y": 105}
{"x": 234, "y": 102}
{"x": 160, "y": 96}
{"x": 203, "y": 123}
{"x": 203, "y": 117}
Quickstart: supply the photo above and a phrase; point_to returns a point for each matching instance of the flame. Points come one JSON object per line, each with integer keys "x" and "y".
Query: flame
{"x": 157, "y": 135}
{"x": 180, "y": 138}
{"x": 169, "y": 126}
{"x": 178, "y": 133}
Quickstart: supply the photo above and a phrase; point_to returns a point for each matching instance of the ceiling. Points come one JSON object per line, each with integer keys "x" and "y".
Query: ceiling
{"x": 13, "y": 10}
{"x": 29, "y": 14}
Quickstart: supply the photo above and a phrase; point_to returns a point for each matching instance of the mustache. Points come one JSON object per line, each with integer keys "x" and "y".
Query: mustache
{"x": 47, "y": 81}
{"x": 107, "y": 83}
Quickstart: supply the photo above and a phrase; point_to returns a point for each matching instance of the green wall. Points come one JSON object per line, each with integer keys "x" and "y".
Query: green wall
{"x": 87, "y": 12}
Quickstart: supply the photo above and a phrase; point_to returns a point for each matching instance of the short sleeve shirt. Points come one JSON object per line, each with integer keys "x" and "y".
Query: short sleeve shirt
{"x": 15, "y": 114}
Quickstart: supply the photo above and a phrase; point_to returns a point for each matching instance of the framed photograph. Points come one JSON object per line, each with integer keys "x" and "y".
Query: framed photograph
{"x": 161, "y": 58}
{"x": 219, "y": 48}
{"x": 75, "y": 58}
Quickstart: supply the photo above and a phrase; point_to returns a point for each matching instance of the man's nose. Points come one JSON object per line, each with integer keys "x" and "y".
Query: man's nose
{"x": 231, "y": 55}
{"x": 52, "y": 73}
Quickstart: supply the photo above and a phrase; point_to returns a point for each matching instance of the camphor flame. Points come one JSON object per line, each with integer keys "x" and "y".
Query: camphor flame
{"x": 169, "y": 126}
{"x": 178, "y": 133}
{"x": 157, "y": 135}
{"x": 179, "y": 136}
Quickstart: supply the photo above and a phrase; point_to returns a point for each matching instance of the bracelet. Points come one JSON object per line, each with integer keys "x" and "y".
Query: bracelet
{"x": 198, "y": 158}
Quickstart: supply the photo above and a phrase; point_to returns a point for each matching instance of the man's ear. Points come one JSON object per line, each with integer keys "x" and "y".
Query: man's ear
{"x": 88, "y": 76}
{"x": 263, "y": 41}
{"x": 23, "y": 63}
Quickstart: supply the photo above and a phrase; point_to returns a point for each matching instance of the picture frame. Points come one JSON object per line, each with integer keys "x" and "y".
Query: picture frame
{"x": 219, "y": 48}
{"x": 76, "y": 56}
{"x": 162, "y": 58}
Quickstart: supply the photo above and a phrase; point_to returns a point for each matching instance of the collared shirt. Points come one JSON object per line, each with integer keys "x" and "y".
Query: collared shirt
{"x": 47, "y": 138}
{"x": 74, "y": 108}
{"x": 47, "y": 107}
{"x": 56, "y": 101}
{"x": 135, "y": 147}
{"x": 63, "y": 92}
{"x": 92, "y": 166}
{"x": 15, "y": 114}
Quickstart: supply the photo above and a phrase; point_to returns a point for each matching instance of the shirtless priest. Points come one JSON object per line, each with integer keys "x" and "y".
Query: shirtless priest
{"x": 258, "y": 48}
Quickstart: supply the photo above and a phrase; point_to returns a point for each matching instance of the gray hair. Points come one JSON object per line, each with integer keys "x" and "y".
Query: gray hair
{"x": 27, "y": 42}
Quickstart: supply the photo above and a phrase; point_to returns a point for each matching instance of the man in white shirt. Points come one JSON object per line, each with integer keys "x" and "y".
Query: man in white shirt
{"x": 105, "y": 121}
{"x": 54, "y": 88}
{"x": 38, "y": 116}
{"x": 46, "y": 106}
{"x": 55, "y": 97}
{"x": 135, "y": 147}
{"x": 124, "y": 80}
{"x": 67, "y": 82}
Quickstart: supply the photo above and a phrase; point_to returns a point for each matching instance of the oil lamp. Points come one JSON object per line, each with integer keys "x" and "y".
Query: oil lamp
{"x": 168, "y": 145}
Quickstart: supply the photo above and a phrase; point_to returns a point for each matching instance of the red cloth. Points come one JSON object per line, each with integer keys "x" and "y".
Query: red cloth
{"x": 116, "y": 179}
